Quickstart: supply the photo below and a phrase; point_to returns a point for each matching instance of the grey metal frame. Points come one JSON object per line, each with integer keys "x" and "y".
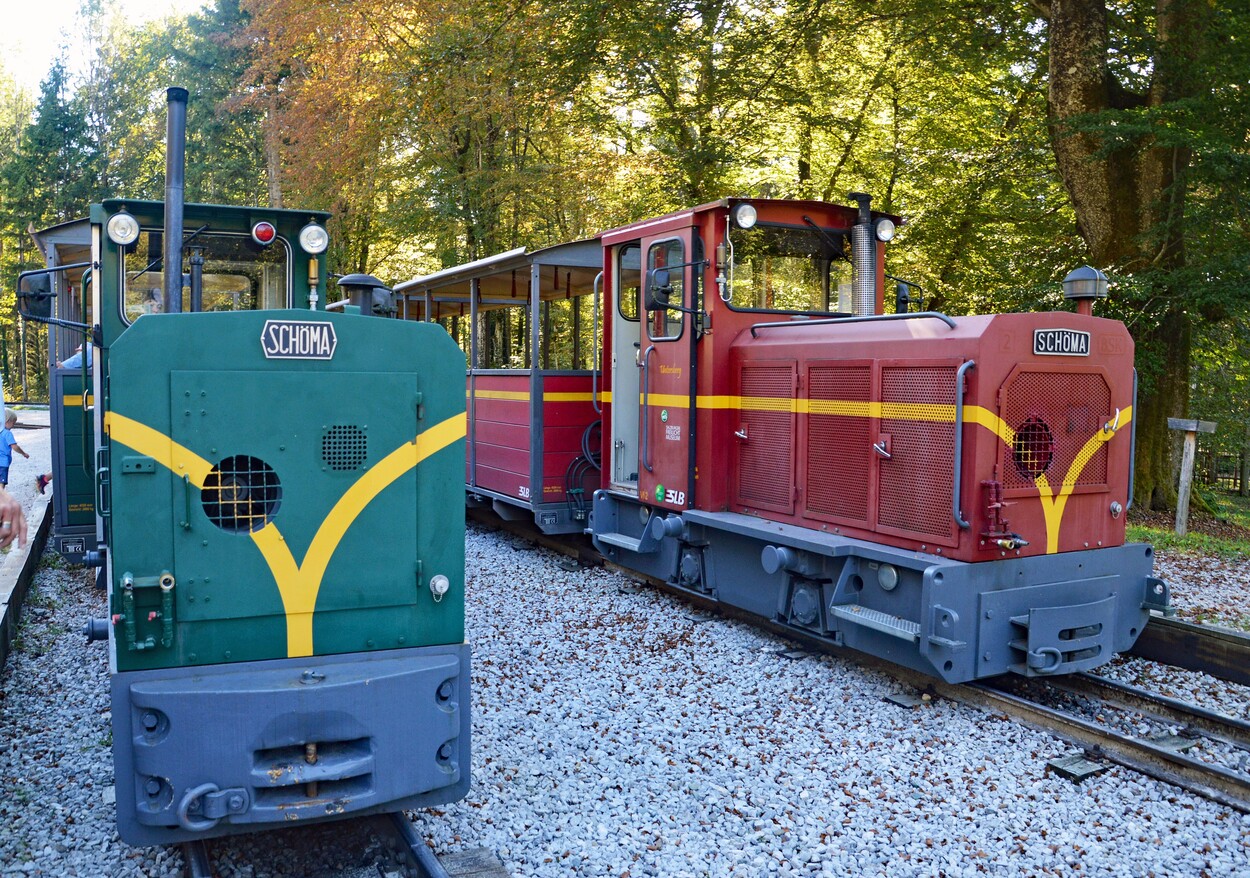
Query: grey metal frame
{"x": 183, "y": 773}
{"x": 1035, "y": 616}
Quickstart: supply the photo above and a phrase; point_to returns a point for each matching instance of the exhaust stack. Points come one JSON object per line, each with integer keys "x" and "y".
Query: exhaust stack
{"x": 864, "y": 259}
{"x": 175, "y": 168}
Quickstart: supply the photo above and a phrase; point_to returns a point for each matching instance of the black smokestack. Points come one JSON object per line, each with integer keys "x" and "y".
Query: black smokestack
{"x": 175, "y": 167}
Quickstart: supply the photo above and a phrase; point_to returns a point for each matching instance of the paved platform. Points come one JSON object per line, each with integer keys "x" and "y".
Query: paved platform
{"x": 18, "y": 567}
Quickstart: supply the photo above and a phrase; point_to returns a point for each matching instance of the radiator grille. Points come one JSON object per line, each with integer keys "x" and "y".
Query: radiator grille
{"x": 344, "y": 447}
{"x": 838, "y": 444}
{"x": 766, "y": 457}
{"x": 1053, "y": 415}
{"x": 917, "y": 482}
{"x": 241, "y": 494}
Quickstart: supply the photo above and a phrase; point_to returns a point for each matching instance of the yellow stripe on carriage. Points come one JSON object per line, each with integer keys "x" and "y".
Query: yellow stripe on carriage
{"x": 75, "y": 400}
{"x": 298, "y": 584}
{"x": 523, "y": 396}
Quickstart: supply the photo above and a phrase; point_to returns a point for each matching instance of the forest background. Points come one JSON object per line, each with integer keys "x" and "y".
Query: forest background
{"x": 1018, "y": 139}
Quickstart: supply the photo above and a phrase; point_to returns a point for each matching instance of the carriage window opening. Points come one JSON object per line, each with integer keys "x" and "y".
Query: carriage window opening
{"x": 566, "y": 328}
{"x": 666, "y": 323}
{"x": 778, "y": 268}
{"x": 629, "y": 280}
{"x": 504, "y": 338}
{"x": 239, "y": 275}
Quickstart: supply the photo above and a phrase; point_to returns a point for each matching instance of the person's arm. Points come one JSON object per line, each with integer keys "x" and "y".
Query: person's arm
{"x": 12, "y": 521}
{"x": 19, "y": 450}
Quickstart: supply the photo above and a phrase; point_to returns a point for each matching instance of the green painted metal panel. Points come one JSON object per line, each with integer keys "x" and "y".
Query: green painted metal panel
{"x": 326, "y": 435}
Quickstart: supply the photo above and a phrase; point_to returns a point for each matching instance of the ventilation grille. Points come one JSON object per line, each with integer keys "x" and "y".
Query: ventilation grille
{"x": 918, "y": 480}
{"x": 838, "y": 444}
{"x": 241, "y": 494}
{"x": 344, "y": 447}
{"x": 1053, "y": 415}
{"x": 766, "y": 456}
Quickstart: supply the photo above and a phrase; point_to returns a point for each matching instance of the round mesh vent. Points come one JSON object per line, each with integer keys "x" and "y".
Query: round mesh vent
{"x": 1034, "y": 447}
{"x": 241, "y": 494}
{"x": 344, "y": 447}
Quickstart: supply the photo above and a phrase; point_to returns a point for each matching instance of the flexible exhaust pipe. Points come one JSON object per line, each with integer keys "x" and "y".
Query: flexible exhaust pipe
{"x": 175, "y": 172}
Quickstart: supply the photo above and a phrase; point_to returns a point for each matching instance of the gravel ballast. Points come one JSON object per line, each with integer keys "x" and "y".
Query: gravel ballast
{"x": 619, "y": 732}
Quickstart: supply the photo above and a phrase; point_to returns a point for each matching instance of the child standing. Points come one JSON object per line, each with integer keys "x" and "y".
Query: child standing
{"x": 8, "y": 444}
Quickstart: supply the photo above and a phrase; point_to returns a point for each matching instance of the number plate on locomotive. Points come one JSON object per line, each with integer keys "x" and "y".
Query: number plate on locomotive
{"x": 298, "y": 340}
{"x": 1061, "y": 343}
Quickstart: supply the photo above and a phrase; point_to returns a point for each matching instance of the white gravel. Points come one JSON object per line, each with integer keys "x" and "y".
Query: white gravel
{"x": 1207, "y": 590}
{"x": 615, "y": 735}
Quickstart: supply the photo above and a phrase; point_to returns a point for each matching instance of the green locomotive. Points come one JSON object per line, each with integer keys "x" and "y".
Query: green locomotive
{"x": 280, "y": 497}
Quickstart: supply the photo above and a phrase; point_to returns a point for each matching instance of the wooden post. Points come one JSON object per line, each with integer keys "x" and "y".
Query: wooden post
{"x": 1243, "y": 484}
{"x": 1192, "y": 429}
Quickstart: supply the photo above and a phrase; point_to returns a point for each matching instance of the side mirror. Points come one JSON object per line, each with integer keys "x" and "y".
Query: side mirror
{"x": 902, "y": 298}
{"x": 34, "y": 293}
{"x": 659, "y": 289}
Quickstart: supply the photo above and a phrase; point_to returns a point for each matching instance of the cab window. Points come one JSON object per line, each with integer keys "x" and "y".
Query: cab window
{"x": 667, "y": 258}
{"x": 239, "y": 275}
{"x": 783, "y": 268}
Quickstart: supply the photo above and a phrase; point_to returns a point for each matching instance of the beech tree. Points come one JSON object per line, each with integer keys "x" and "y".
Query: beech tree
{"x": 1128, "y": 105}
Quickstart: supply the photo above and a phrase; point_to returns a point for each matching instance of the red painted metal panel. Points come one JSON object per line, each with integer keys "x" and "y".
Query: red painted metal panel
{"x": 501, "y": 434}
{"x": 506, "y": 411}
{"x": 839, "y": 446}
{"x": 513, "y": 460}
{"x": 765, "y": 471}
{"x": 916, "y": 482}
{"x": 502, "y": 481}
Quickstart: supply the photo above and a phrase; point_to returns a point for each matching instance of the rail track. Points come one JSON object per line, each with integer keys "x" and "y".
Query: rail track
{"x": 1220, "y": 652}
{"x": 394, "y": 850}
{"x": 1166, "y": 757}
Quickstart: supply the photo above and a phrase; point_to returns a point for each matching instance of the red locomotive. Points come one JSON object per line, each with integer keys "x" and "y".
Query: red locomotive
{"x": 726, "y": 407}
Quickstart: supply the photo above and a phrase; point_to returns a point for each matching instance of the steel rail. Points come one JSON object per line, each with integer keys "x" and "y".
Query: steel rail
{"x": 1220, "y": 652}
{"x": 195, "y": 860}
{"x": 426, "y": 864}
{"x": 1228, "y": 729}
{"x": 1209, "y": 781}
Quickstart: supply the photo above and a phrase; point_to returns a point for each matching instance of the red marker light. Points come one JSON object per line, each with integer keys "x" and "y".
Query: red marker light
{"x": 263, "y": 233}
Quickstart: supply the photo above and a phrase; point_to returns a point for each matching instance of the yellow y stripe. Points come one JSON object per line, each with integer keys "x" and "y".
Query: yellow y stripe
{"x": 298, "y": 584}
{"x": 1053, "y": 501}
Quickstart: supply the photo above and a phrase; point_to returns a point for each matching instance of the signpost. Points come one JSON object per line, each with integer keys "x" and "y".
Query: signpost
{"x": 1192, "y": 429}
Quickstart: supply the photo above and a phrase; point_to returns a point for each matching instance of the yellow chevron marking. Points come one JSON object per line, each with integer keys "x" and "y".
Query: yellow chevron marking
{"x": 298, "y": 584}
{"x": 1054, "y": 501}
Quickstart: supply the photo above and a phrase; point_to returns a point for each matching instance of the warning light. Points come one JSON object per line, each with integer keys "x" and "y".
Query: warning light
{"x": 263, "y": 233}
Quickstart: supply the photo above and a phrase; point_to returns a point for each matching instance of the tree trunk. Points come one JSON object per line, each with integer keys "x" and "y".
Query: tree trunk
{"x": 1129, "y": 197}
{"x": 1162, "y": 393}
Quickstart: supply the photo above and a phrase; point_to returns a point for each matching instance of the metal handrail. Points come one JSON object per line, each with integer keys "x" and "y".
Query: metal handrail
{"x": 594, "y": 340}
{"x": 830, "y": 321}
{"x": 646, "y": 398}
{"x": 959, "y": 442}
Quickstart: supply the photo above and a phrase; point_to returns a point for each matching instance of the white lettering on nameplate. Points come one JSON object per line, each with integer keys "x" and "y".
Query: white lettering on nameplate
{"x": 298, "y": 340}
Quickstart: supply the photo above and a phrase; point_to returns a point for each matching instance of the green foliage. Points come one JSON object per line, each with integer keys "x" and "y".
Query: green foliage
{"x": 442, "y": 132}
